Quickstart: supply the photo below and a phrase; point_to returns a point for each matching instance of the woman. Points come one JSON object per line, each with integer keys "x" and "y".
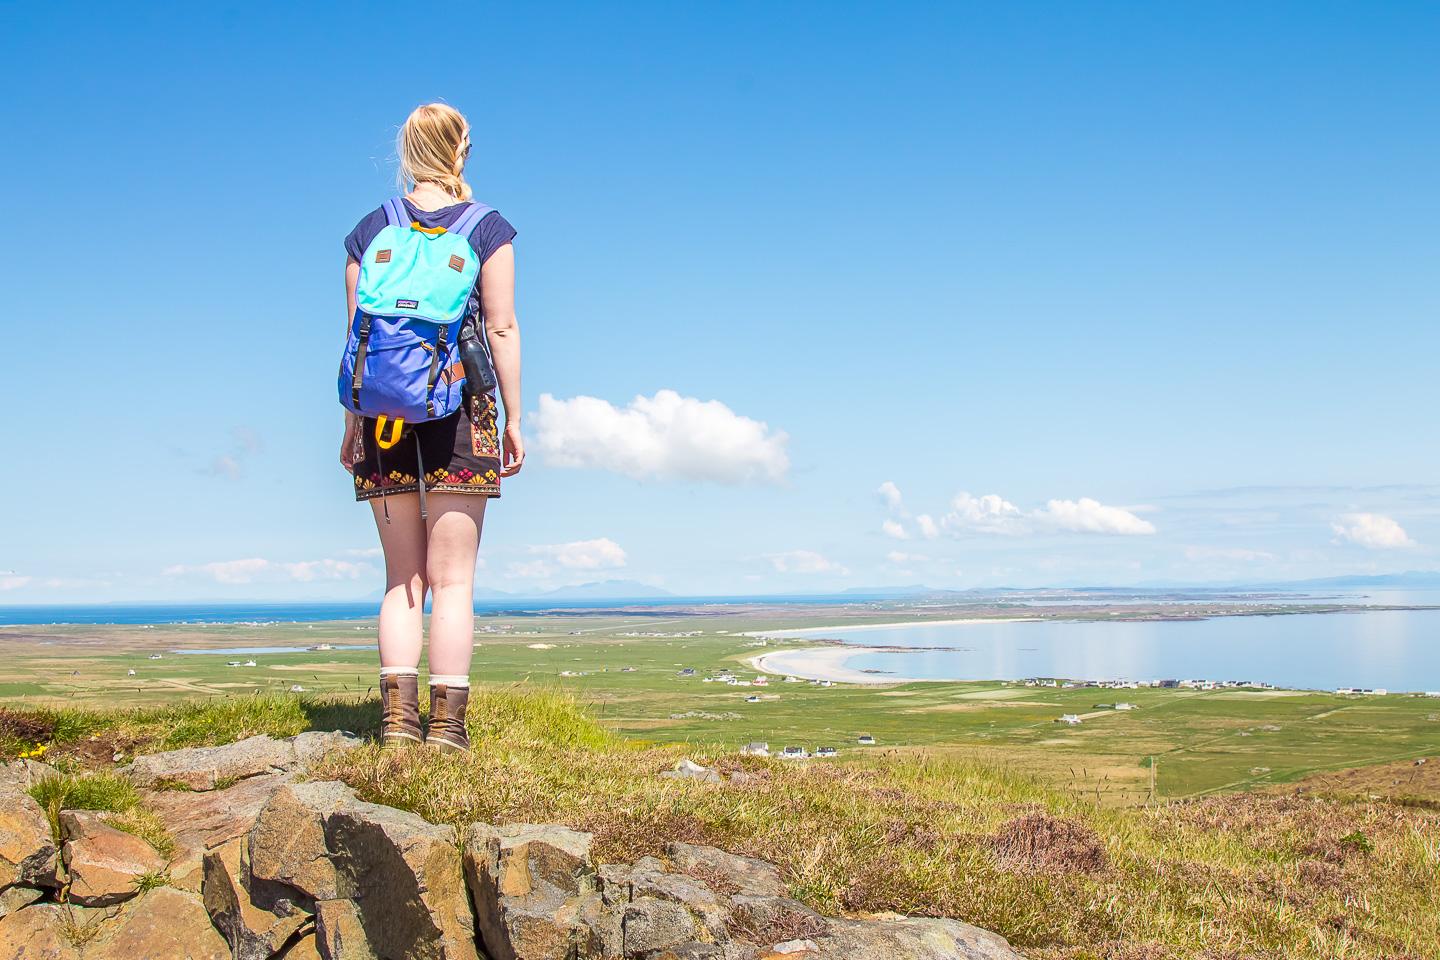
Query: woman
{"x": 430, "y": 536}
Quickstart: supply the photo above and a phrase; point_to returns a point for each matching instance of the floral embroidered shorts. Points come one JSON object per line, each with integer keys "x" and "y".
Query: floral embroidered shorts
{"x": 460, "y": 453}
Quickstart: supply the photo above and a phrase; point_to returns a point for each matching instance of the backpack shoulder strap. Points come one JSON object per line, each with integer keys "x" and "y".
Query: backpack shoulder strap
{"x": 395, "y": 214}
{"x": 474, "y": 212}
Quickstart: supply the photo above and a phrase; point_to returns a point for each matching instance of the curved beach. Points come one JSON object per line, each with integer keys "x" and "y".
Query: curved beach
{"x": 825, "y": 663}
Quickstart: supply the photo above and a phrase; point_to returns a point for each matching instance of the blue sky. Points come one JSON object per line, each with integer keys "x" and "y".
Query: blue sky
{"x": 1105, "y": 293}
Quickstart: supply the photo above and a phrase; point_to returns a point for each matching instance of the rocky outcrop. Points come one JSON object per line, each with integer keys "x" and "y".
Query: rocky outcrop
{"x": 205, "y": 768}
{"x": 270, "y": 866}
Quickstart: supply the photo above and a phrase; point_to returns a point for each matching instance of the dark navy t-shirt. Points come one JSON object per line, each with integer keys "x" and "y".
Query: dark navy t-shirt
{"x": 490, "y": 234}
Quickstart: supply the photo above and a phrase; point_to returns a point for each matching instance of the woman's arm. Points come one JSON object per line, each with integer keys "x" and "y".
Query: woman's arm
{"x": 352, "y": 422}
{"x": 497, "y": 292}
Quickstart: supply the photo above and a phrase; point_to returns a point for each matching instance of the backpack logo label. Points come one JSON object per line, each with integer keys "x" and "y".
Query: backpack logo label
{"x": 456, "y": 263}
{"x": 406, "y": 304}
{"x": 382, "y": 256}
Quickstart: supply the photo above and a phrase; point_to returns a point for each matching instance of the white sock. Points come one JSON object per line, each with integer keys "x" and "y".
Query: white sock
{"x": 399, "y": 671}
{"x": 449, "y": 679}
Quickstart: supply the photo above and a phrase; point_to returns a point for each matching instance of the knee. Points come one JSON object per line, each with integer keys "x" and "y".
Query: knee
{"x": 445, "y": 578}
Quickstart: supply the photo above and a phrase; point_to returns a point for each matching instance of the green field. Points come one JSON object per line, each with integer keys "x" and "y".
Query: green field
{"x": 1200, "y": 741}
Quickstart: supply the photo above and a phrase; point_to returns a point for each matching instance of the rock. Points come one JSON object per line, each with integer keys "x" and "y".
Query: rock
{"x": 104, "y": 864}
{"x": 654, "y": 925}
{"x": 35, "y": 933}
{"x": 405, "y": 878}
{"x": 792, "y": 947}
{"x": 690, "y": 770}
{"x": 163, "y": 923}
{"x": 288, "y": 843}
{"x": 199, "y": 822}
{"x": 914, "y": 938}
{"x": 13, "y": 898}
{"x": 25, "y": 773}
{"x": 203, "y": 768}
{"x": 253, "y": 932}
{"x": 306, "y": 948}
{"x": 338, "y": 933}
{"x": 746, "y": 874}
{"x": 534, "y": 892}
{"x": 27, "y": 851}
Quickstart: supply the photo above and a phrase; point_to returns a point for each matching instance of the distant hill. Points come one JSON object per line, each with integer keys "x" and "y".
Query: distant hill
{"x": 608, "y": 590}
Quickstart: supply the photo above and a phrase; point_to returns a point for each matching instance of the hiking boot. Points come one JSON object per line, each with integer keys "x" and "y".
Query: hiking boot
{"x": 400, "y": 703}
{"x": 447, "y": 718}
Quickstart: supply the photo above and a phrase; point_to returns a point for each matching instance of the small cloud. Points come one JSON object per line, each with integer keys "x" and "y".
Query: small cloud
{"x": 1091, "y": 516}
{"x": 902, "y": 559}
{"x": 223, "y": 571}
{"x": 307, "y": 571}
{"x": 599, "y": 554}
{"x": 803, "y": 561}
{"x": 666, "y": 437}
{"x": 1373, "y": 531}
{"x": 929, "y": 529}
{"x": 366, "y": 552}
{"x": 890, "y": 495}
{"x": 224, "y": 466}
{"x": 994, "y": 514}
{"x": 12, "y": 581}
{"x": 895, "y": 529}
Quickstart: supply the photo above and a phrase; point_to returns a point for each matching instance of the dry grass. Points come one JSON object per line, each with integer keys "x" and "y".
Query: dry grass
{"x": 1233, "y": 877}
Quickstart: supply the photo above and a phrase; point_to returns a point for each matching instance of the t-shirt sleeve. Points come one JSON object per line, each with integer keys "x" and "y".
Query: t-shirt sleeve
{"x": 490, "y": 234}
{"x": 366, "y": 230}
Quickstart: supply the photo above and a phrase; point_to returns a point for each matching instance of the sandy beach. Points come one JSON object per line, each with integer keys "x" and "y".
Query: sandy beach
{"x": 823, "y": 663}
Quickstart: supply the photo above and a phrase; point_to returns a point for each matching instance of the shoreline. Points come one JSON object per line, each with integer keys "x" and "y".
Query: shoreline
{"x": 806, "y": 631}
{"x": 827, "y": 663}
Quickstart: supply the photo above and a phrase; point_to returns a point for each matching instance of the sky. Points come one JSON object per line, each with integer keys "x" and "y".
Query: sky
{"x": 813, "y": 295}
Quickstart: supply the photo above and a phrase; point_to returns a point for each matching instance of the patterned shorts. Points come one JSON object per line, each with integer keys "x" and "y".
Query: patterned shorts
{"x": 461, "y": 454}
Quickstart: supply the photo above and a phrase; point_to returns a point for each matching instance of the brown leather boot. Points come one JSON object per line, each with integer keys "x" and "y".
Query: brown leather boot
{"x": 400, "y": 703}
{"x": 447, "y": 718}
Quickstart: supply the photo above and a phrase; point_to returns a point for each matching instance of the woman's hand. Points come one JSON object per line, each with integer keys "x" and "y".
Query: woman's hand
{"x": 512, "y": 450}
{"x": 349, "y": 449}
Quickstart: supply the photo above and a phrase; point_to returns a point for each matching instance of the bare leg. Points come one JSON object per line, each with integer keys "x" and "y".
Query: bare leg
{"x": 402, "y": 612}
{"x": 455, "y": 523}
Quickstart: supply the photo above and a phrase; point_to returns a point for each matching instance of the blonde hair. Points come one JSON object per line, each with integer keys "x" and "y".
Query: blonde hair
{"x": 433, "y": 144}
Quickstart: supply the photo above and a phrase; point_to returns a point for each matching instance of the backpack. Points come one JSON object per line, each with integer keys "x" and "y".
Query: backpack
{"x": 402, "y": 359}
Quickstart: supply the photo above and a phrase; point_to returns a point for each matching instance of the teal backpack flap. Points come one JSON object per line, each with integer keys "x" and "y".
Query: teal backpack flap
{"x": 422, "y": 272}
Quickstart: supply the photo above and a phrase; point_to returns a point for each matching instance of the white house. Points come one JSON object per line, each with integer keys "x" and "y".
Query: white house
{"x": 826, "y": 752}
{"x": 794, "y": 753}
{"x": 865, "y": 740}
{"x": 1069, "y": 718}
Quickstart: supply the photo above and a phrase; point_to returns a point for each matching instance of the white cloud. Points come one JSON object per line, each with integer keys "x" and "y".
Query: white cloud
{"x": 251, "y": 569}
{"x": 1372, "y": 530}
{"x": 1091, "y": 516}
{"x": 366, "y": 552}
{"x": 895, "y": 529}
{"x": 994, "y": 514}
{"x": 988, "y": 514}
{"x": 224, "y": 466}
{"x": 308, "y": 571}
{"x": 599, "y": 554}
{"x": 14, "y": 582}
{"x": 890, "y": 494}
{"x": 902, "y": 559}
{"x": 929, "y": 529}
{"x": 803, "y": 561}
{"x": 223, "y": 571}
{"x": 666, "y": 436}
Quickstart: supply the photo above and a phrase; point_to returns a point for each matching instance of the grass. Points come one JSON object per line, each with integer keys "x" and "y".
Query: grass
{"x": 106, "y": 792}
{"x": 1062, "y": 873}
{"x": 1232, "y": 876}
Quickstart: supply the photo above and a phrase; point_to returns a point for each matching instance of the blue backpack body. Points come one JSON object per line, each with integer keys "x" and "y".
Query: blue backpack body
{"x": 402, "y": 357}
